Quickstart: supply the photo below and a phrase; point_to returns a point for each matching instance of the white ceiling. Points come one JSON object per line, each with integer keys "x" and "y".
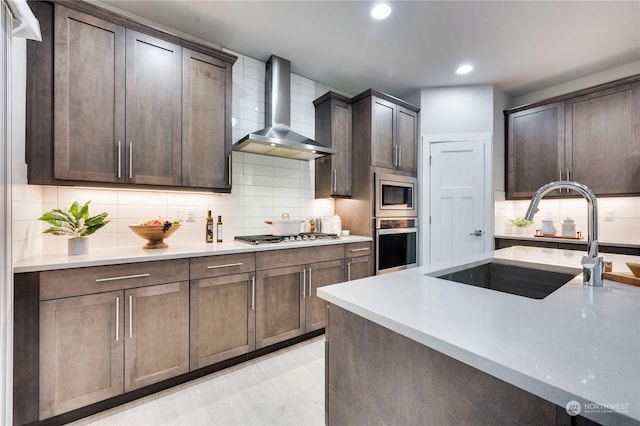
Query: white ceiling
{"x": 519, "y": 46}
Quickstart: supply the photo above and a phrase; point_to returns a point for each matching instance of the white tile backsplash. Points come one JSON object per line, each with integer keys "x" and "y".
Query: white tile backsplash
{"x": 263, "y": 187}
{"x": 624, "y": 228}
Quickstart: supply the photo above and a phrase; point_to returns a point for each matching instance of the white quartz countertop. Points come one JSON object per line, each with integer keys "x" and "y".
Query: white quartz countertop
{"x": 131, "y": 254}
{"x": 577, "y": 344}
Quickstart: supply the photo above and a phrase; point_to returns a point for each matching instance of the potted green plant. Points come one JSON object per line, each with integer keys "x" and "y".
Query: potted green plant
{"x": 76, "y": 223}
{"x": 520, "y": 224}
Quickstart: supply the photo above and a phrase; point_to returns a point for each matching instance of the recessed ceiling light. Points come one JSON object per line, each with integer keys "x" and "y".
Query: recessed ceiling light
{"x": 380, "y": 11}
{"x": 464, "y": 69}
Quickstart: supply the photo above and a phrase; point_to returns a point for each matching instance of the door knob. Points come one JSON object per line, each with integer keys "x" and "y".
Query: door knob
{"x": 477, "y": 233}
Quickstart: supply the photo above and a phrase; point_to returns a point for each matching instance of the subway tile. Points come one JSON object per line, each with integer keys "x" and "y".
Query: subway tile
{"x": 258, "y": 180}
{"x": 186, "y": 199}
{"x": 286, "y": 183}
{"x": 288, "y": 163}
{"x": 252, "y": 63}
{"x": 255, "y": 74}
{"x": 258, "y": 170}
{"x": 142, "y": 197}
{"x": 286, "y": 192}
{"x": 50, "y": 194}
{"x": 286, "y": 173}
{"x": 256, "y": 201}
{"x": 140, "y": 212}
{"x": 258, "y": 191}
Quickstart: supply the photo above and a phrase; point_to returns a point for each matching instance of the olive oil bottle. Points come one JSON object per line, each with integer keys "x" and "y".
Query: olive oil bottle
{"x": 219, "y": 230}
{"x": 209, "y": 228}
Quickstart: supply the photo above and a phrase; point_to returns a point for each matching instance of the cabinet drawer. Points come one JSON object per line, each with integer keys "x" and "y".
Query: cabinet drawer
{"x": 216, "y": 266}
{"x": 98, "y": 279}
{"x": 357, "y": 249}
{"x": 298, "y": 256}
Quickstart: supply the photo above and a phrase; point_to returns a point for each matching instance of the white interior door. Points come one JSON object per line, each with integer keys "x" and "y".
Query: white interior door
{"x": 457, "y": 199}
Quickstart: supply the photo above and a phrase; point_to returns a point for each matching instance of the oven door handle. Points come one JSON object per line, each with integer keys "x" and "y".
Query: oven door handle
{"x": 396, "y": 231}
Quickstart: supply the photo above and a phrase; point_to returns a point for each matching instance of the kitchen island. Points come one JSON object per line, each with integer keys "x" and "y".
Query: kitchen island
{"x": 409, "y": 348}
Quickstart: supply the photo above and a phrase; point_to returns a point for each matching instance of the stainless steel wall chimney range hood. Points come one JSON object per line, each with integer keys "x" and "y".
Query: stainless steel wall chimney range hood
{"x": 277, "y": 139}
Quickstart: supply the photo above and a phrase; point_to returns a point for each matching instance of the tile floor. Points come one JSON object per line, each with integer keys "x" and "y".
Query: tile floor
{"x": 283, "y": 388}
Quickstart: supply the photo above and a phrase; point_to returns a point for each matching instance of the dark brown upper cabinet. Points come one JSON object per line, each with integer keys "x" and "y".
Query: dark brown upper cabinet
{"x": 113, "y": 102}
{"x": 206, "y": 109}
{"x": 333, "y": 129}
{"x": 388, "y": 128}
{"x": 535, "y": 148}
{"x": 591, "y": 136}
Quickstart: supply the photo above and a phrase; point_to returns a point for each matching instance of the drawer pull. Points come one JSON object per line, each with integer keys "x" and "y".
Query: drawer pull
{"x": 349, "y": 271}
{"x": 360, "y": 249}
{"x": 122, "y": 277}
{"x": 130, "y": 317}
{"x": 304, "y": 283}
{"x": 228, "y": 265}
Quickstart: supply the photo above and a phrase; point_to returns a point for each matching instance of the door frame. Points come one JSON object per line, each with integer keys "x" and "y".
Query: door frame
{"x": 424, "y": 177}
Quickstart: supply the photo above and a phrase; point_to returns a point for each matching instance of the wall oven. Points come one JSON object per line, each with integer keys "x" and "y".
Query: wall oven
{"x": 396, "y": 195}
{"x": 396, "y": 244}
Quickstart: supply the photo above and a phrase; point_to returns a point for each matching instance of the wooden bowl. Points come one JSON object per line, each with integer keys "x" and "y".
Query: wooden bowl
{"x": 635, "y": 268}
{"x": 154, "y": 234}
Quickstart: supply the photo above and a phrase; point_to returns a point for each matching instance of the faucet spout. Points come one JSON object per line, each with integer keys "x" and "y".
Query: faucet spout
{"x": 592, "y": 265}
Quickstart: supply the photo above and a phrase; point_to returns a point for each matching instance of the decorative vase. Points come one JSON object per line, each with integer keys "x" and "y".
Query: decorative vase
{"x": 78, "y": 246}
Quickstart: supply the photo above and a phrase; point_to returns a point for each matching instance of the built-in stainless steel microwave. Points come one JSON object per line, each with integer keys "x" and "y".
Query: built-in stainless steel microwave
{"x": 396, "y": 196}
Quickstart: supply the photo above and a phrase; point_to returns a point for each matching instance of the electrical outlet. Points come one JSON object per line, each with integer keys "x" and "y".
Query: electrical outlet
{"x": 190, "y": 214}
{"x": 608, "y": 214}
{"x": 179, "y": 214}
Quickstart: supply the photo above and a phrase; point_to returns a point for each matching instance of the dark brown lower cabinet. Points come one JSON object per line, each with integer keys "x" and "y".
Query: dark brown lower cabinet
{"x": 156, "y": 334}
{"x": 81, "y": 351}
{"x": 98, "y": 346}
{"x": 222, "y": 318}
{"x": 287, "y": 302}
{"x": 319, "y": 275}
{"x": 280, "y": 307}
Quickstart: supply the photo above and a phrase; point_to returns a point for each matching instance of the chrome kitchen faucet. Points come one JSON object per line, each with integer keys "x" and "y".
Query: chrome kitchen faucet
{"x": 592, "y": 265}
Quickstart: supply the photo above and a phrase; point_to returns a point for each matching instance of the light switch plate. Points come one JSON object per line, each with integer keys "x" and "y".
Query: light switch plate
{"x": 608, "y": 214}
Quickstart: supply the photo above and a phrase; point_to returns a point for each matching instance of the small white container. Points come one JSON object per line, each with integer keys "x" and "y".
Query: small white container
{"x": 569, "y": 228}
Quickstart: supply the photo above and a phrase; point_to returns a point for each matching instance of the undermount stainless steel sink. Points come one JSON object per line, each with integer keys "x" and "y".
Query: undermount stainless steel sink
{"x": 519, "y": 280}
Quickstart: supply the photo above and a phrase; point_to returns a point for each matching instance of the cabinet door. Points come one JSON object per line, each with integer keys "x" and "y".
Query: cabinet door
{"x": 359, "y": 267}
{"x": 319, "y": 275}
{"x": 279, "y": 305}
{"x": 603, "y": 140}
{"x": 154, "y": 110}
{"x": 222, "y": 318}
{"x": 81, "y": 351}
{"x": 89, "y": 97}
{"x": 156, "y": 333}
{"x": 341, "y": 142}
{"x": 535, "y": 146}
{"x": 407, "y": 140}
{"x": 383, "y": 133}
{"x": 206, "y": 121}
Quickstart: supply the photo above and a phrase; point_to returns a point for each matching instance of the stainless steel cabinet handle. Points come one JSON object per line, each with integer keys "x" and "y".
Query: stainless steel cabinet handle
{"x": 399, "y": 155}
{"x": 560, "y": 178}
{"x": 130, "y": 316}
{"x": 335, "y": 180}
{"x": 117, "y": 318}
{"x": 130, "y": 160}
{"x": 568, "y": 178}
{"x": 359, "y": 249}
{"x": 119, "y": 159}
{"x": 349, "y": 271}
{"x": 253, "y": 293}
{"x": 309, "y": 282}
{"x": 228, "y": 265}
{"x": 122, "y": 277}
{"x": 230, "y": 170}
{"x": 476, "y": 233}
{"x": 395, "y": 155}
{"x": 304, "y": 282}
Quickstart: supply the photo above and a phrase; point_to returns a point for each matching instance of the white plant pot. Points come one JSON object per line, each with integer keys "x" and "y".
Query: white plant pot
{"x": 78, "y": 246}
{"x": 521, "y": 230}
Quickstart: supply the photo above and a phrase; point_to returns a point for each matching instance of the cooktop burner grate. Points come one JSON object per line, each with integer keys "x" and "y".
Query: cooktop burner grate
{"x": 271, "y": 239}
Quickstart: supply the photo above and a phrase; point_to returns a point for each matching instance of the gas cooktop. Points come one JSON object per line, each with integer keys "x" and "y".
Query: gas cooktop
{"x": 271, "y": 239}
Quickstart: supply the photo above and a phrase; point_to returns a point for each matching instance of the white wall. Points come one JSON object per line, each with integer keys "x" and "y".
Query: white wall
{"x": 579, "y": 84}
